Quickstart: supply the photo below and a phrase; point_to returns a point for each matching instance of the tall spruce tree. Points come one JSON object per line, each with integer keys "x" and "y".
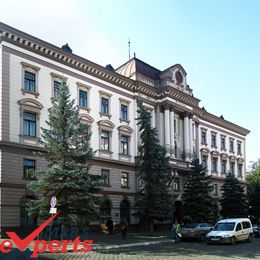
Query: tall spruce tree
{"x": 233, "y": 201}
{"x": 199, "y": 203}
{"x": 254, "y": 201}
{"x": 153, "y": 199}
{"x": 68, "y": 153}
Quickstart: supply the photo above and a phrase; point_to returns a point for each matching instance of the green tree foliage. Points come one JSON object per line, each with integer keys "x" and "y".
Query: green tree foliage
{"x": 153, "y": 200}
{"x": 68, "y": 153}
{"x": 199, "y": 203}
{"x": 233, "y": 201}
{"x": 253, "y": 186}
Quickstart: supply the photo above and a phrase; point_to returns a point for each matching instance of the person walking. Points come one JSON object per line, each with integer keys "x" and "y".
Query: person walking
{"x": 124, "y": 229}
{"x": 176, "y": 228}
{"x": 110, "y": 226}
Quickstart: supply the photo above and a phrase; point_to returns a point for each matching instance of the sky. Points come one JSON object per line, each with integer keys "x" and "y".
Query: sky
{"x": 217, "y": 42}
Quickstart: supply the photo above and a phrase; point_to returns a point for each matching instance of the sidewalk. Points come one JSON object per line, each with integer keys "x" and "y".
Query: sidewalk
{"x": 107, "y": 241}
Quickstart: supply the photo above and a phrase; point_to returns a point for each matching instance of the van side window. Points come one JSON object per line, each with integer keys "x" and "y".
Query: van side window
{"x": 239, "y": 227}
{"x": 245, "y": 224}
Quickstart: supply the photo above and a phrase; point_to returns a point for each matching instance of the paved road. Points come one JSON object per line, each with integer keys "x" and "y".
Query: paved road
{"x": 166, "y": 250}
{"x": 183, "y": 251}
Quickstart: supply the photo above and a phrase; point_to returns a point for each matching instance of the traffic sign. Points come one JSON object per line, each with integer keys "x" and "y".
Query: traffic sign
{"x": 53, "y": 210}
{"x": 53, "y": 201}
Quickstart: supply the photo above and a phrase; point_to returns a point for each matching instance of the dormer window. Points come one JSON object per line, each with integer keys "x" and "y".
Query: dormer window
{"x": 178, "y": 77}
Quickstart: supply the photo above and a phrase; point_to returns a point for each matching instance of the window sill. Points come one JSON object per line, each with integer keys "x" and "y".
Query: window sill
{"x": 205, "y": 144}
{"x": 24, "y": 91}
{"x": 85, "y": 108}
{"x": 214, "y": 146}
{"x": 105, "y": 151}
{"x": 105, "y": 115}
{"x": 29, "y": 179}
{"x": 29, "y": 139}
{"x": 125, "y": 188}
{"x": 124, "y": 121}
{"x": 125, "y": 155}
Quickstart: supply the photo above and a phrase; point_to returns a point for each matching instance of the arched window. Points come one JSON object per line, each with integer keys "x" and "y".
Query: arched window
{"x": 105, "y": 210}
{"x": 125, "y": 211}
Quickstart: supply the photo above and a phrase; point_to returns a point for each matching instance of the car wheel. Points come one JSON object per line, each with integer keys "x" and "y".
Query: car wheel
{"x": 233, "y": 241}
{"x": 202, "y": 238}
{"x": 249, "y": 238}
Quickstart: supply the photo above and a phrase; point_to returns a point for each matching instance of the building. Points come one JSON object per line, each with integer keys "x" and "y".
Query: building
{"x": 31, "y": 71}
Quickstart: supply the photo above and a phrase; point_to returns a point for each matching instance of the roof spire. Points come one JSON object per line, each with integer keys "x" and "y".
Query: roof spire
{"x": 129, "y": 49}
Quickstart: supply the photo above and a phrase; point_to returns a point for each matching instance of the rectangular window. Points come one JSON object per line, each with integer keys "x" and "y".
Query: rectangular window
{"x": 223, "y": 143}
{"x": 124, "y": 180}
{"x": 238, "y": 148}
{"x": 205, "y": 160}
{"x": 176, "y": 185}
{"x": 104, "y": 105}
{"x": 28, "y": 169}
{"x": 203, "y": 137}
{"x": 214, "y": 164}
{"x": 223, "y": 166}
{"x": 215, "y": 190}
{"x": 232, "y": 164}
{"x": 29, "y": 124}
{"x": 104, "y": 145}
{"x": 231, "y": 145}
{"x": 56, "y": 87}
{"x": 29, "y": 81}
{"x": 124, "y": 144}
{"x": 105, "y": 177}
{"x": 213, "y": 140}
{"x": 83, "y": 98}
{"x": 239, "y": 170}
{"x": 124, "y": 112}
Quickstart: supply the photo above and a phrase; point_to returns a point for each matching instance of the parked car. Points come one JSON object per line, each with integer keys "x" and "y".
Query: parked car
{"x": 256, "y": 230}
{"x": 196, "y": 231}
{"x": 231, "y": 231}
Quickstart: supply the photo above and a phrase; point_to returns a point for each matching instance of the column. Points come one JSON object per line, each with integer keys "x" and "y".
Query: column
{"x": 197, "y": 139}
{"x": 157, "y": 121}
{"x": 186, "y": 136}
{"x": 191, "y": 138}
{"x": 161, "y": 136}
{"x": 167, "y": 127}
{"x": 172, "y": 131}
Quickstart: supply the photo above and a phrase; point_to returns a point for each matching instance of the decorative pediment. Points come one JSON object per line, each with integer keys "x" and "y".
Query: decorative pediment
{"x": 29, "y": 102}
{"x": 232, "y": 158}
{"x": 240, "y": 160}
{"x": 224, "y": 156}
{"x": 205, "y": 151}
{"x": 125, "y": 129}
{"x": 106, "y": 124}
{"x": 214, "y": 154}
{"x": 86, "y": 118}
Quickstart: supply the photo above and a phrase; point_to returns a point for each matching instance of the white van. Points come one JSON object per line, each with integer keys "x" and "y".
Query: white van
{"x": 231, "y": 230}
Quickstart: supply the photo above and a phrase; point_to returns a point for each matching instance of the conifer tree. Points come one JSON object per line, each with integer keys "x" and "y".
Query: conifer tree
{"x": 254, "y": 201}
{"x": 199, "y": 204}
{"x": 153, "y": 200}
{"x": 233, "y": 201}
{"x": 68, "y": 154}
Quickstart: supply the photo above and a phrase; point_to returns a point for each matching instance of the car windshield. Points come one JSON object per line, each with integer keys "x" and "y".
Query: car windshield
{"x": 224, "y": 227}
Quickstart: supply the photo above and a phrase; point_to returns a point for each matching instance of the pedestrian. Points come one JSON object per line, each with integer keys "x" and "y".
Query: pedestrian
{"x": 124, "y": 229}
{"x": 110, "y": 226}
{"x": 176, "y": 228}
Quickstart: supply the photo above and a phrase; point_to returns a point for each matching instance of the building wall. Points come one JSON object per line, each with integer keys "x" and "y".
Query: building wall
{"x": 15, "y": 148}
